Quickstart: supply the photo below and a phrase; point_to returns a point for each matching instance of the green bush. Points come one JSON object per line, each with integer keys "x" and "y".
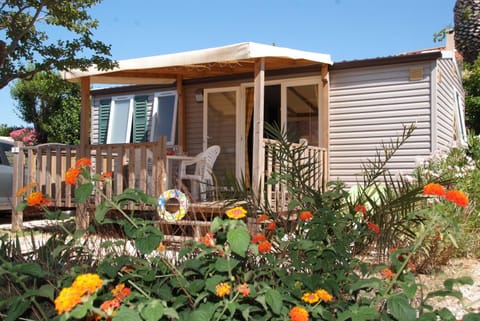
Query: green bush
{"x": 299, "y": 264}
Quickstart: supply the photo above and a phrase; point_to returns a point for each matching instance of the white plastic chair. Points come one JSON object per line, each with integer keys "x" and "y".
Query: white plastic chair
{"x": 202, "y": 177}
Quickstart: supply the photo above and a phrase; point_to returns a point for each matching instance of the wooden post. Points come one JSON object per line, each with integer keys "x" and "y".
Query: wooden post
{"x": 258, "y": 119}
{"x": 325, "y": 112}
{"x": 82, "y": 215}
{"x": 17, "y": 183}
{"x": 181, "y": 113}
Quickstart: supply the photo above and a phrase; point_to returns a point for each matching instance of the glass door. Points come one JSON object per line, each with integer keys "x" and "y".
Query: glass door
{"x": 220, "y": 115}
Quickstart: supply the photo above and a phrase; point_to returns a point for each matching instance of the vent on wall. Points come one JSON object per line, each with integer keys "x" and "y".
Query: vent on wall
{"x": 416, "y": 73}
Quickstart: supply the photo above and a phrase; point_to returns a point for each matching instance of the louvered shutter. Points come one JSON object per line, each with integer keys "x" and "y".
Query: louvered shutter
{"x": 103, "y": 118}
{"x": 140, "y": 119}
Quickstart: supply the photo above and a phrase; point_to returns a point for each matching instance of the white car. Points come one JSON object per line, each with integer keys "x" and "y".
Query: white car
{"x": 6, "y": 174}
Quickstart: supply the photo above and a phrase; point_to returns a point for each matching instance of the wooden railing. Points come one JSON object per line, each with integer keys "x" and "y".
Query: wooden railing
{"x": 140, "y": 166}
{"x": 313, "y": 175}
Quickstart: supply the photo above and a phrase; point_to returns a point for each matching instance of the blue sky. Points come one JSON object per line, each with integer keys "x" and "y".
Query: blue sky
{"x": 345, "y": 29}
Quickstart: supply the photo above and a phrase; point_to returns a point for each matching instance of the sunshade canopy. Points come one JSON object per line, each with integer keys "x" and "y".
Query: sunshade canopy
{"x": 233, "y": 59}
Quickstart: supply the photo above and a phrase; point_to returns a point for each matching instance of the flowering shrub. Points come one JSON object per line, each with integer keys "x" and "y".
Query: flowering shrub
{"x": 24, "y": 135}
{"x": 295, "y": 265}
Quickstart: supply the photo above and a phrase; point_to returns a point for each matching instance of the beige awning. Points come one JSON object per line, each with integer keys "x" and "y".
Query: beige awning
{"x": 233, "y": 59}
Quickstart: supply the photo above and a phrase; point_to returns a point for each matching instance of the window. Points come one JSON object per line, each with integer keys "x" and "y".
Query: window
{"x": 120, "y": 120}
{"x": 164, "y": 116}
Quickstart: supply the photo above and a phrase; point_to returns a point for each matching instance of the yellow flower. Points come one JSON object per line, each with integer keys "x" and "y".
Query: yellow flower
{"x": 87, "y": 283}
{"x": 236, "y": 213}
{"x": 67, "y": 299}
{"x": 310, "y": 297}
{"x": 324, "y": 295}
{"x": 222, "y": 289}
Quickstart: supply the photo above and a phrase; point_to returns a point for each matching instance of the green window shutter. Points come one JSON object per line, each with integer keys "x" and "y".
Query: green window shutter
{"x": 140, "y": 119}
{"x": 103, "y": 118}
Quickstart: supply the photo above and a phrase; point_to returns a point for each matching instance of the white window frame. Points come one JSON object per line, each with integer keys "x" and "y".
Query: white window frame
{"x": 113, "y": 112}
{"x": 460, "y": 113}
{"x": 155, "y": 112}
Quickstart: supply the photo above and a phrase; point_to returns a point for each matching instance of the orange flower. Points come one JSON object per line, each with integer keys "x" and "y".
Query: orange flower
{"x": 387, "y": 273}
{"x": 161, "y": 247}
{"x": 243, "y": 289}
{"x": 121, "y": 291}
{"x": 457, "y": 197}
{"x": 324, "y": 295}
{"x": 310, "y": 297}
{"x": 258, "y": 238}
{"x": 45, "y": 201}
{"x": 222, "y": 289}
{"x": 35, "y": 199}
{"x": 126, "y": 269}
{"x": 105, "y": 176}
{"x": 298, "y": 314}
{"x": 434, "y": 189}
{"x": 271, "y": 227}
{"x": 67, "y": 299}
{"x": 411, "y": 266}
{"x": 236, "y": 213}
{"x": 306, "y": 216}
{"x": 262, "y": 218}
{"x": 25, "y": 189}
{"x": 264, "y": 247}
{"x": 361, "y": 208}
{"x": 208, "y": 239}
{"x": 83, "y": 162}
{"x": 373, "y": 227}
{"x": 71, "y": 176}
{"x": 110, "y": 305}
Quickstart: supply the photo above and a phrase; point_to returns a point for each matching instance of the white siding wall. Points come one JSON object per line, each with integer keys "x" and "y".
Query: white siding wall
{"x": 370, "y": 105}
{"x": 448, "y": 82}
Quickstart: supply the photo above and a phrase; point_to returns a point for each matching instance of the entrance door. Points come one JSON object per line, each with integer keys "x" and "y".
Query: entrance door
{"x": 220, "y": 117}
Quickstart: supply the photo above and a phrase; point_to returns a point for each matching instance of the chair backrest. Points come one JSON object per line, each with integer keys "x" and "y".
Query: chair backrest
{"x": 209, "y": 156}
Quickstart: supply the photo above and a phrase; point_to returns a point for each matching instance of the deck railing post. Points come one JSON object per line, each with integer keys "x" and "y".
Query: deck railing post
{"x": 18, "y": 181}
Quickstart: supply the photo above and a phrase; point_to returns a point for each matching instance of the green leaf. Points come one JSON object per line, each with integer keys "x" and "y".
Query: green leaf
{"x": 83, "y": 192}
{"x": 216, "y": 224}
{"x": 409, "y": 289}
{"x": 372, "y": 283}
{"x": 203, "y": 312}
{"x": 239, "y": 239}
{"x": 147, "y": 239}
{"x": 224, "y": 265}
{"x": 153, "y": 311}
{"x": 274, "y": 300}
{"x": 100, "y": 212}
{"x": 172, "y": 313}
{"x": 19, "y": 306}
{"x": 293, "y": 204}
{"x": 401, "y": 309}
{"x": 79, "y": 312}
{"x": 357, "y": 313}
{"x": 126, "y": 314}
{"x": 465, "y": 280}
{"x": 471, "y": 317}
{"x": 32, "y": 269}
{"x": 47, "y": 291}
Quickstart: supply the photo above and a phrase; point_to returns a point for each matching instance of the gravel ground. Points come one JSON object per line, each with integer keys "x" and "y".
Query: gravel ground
{"x": 471, "y": 293}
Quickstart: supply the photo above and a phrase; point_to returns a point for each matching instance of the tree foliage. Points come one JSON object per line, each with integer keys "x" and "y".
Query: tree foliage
{"x": 471, "y": 84}
{"x": 52, "y": 105}
{"x": 467, "y": 28}
{"x": 48, "y": 35}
